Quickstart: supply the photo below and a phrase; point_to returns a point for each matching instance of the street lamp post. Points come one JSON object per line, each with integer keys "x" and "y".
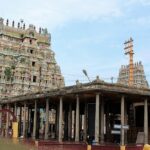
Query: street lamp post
{"x": 85, "y": 73}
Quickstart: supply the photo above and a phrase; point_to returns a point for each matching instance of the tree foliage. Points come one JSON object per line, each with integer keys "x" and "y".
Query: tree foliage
{"x": 22, "y": 60}
{"x": 8, "y": 73}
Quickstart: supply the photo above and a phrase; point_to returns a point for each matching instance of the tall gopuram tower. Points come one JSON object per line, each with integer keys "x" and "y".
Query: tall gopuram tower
{"x": 27, "y": 63}
{"x": 139, "y": 78}
{"x": 132, "y": 74}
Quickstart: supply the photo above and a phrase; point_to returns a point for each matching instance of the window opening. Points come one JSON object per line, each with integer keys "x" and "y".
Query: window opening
{"x": 34, "y": 78}
{"x": 31, "y": 51}
{"x": 33, "y": 63}
{"x": 30, "y": 41}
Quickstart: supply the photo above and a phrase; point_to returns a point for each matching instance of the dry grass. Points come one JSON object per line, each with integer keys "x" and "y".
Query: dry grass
{"x": 10, "y": 144}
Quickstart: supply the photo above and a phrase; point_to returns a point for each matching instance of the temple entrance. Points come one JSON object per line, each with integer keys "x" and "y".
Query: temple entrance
{"x": 140, "y": 116}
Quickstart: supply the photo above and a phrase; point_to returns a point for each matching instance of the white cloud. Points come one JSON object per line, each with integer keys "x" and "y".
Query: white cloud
{"x": 143, "y": 2}
{"x": 56, "y": 13}
{"x": 141, "y": 21}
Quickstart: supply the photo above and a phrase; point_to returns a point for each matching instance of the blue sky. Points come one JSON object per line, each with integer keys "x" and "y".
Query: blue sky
{"x": 89, "y": 34}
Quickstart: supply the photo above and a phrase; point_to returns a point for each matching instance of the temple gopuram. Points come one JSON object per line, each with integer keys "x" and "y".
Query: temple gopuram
{"x": 138, "y": 75}
{"x": 27, "y": 63}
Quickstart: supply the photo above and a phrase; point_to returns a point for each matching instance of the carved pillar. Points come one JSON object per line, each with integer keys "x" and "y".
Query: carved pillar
{"x": 47, "y": 120}
{"x": 77, "y": 119}
{"x": 15, "y": 109}
{"x": 125, "y": 122}
{"x": 0, "y": 117}
{"x": 145, "y": 122}
{"x": 69, "y": 121}
{"x": 102, "y": 122}
{"x": 57, "y": 120}
{"x": 35, "y": 120}
{"x": 24, "y": 120}
{"x": 108, "y": 134}
{"x": 97, "y": 118}
{"x": 7, "y": 122}
{"x": 20, "y": 121}
{"x": 122, "y": 122}
{"x": 85, "y": 122}
{"x": 60, "y": 119}
{"x": 29, "y": 121}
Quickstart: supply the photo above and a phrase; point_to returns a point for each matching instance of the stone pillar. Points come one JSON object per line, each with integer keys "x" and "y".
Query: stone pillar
{"x": 29, "y": 121}
{"x": 15, "y": 110}
{"x": 24, "y": 120}
{"x": 51, "y": 131}
{"x": 85, "y": 122}
{"x": 69, "y": 121}
{"x": 60, "y": 119}
{"x": 125, "y": 122}
{"x": 122, "y": 122}
{"x": 77, "y": 120}
{"x": 20, "y": 121}
{"x": 102, "y": 122}
{"x": 66, "y": 110}
{"x": 145, "y": 122}
{"x": 57, "y": 120}
{"x": 97, "y": 118}
{"x": 108, "y": 134}
{"x": 7, "y": 122}
{"x": 73, "y": 124}
{"x": 35, "y": 120}
{"x": 47, "y": 120}
{"x": 0, "y": 117}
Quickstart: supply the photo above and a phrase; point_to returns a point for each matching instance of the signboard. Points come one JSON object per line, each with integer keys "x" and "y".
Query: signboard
{"x": 115, "y": 132}
{"x": 126, "y": 127}
{"x": 117, "y": 126}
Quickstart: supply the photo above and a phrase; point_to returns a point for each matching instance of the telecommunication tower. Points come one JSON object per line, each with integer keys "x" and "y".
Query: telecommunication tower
{"x": 129, "y": 51}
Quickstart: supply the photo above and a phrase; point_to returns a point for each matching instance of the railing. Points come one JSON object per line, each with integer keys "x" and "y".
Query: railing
{"x": 105, "y": 147}
{"x": 52, "y": 145}
{"x": 136, "y": 147}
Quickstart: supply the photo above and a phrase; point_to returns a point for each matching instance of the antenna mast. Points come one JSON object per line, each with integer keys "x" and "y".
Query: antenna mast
{"x": 129, "y": 51}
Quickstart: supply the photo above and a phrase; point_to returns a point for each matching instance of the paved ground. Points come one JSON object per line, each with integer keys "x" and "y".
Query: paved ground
{"x": 58, "y": 147}
{"x": 53, "y": 145}
{"x": 9, "y": 144}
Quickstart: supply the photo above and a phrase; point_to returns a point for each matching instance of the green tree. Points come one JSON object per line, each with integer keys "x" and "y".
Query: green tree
{"x": 22, "y": 60}
{"x": 8, "y": 73}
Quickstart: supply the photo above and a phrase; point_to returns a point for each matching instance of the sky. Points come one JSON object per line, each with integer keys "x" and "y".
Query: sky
{"x": 88, "y": 34}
